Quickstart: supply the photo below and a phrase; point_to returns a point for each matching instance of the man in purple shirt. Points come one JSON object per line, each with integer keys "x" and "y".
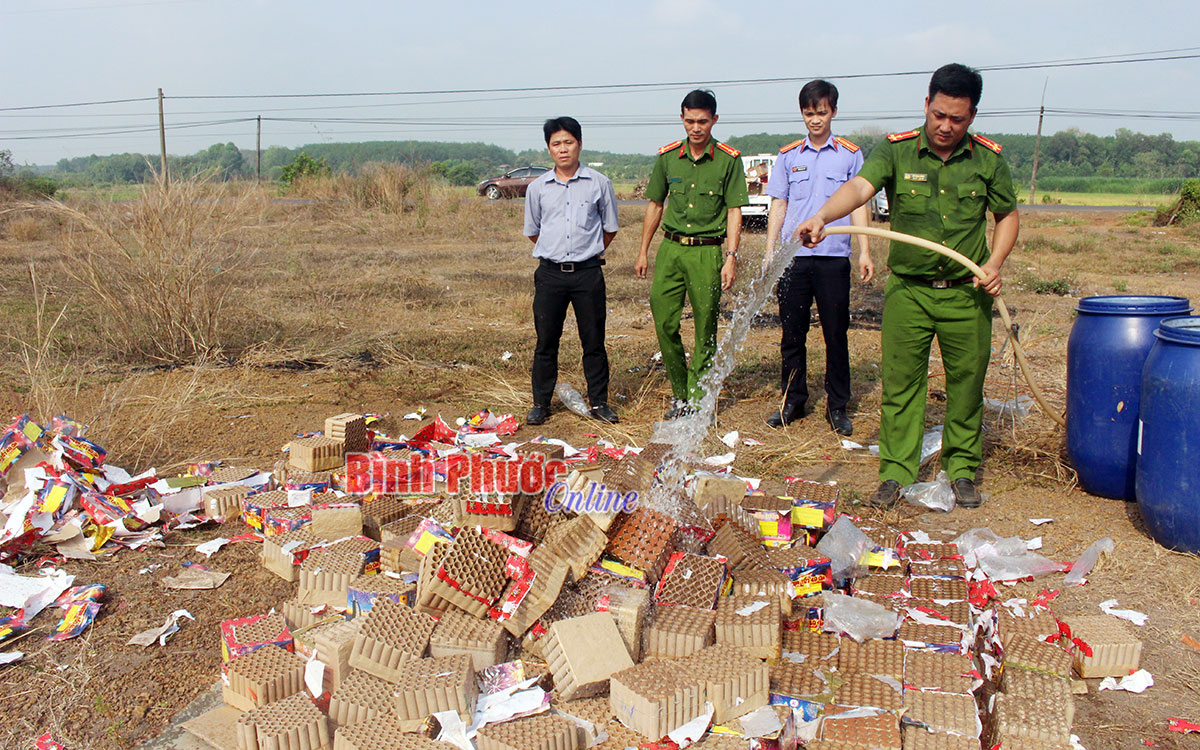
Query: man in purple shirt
{"x": 805, "y": 174}
{"x": 571, "y": 217}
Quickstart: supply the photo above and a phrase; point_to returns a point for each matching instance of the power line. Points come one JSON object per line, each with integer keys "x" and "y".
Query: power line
{"x": 78, "y": 104}
{"x": 585, "y": 89}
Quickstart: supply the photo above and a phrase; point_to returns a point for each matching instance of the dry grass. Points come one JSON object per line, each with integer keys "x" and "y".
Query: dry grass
{"x": 47, "y": 375}
{"x": 164, "y": 272}
{"x": 25, "y": 228}
{"x": 411, "y": 199}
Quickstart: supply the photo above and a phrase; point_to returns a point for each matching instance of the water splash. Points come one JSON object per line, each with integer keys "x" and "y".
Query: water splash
{"x": 686, "y": 434}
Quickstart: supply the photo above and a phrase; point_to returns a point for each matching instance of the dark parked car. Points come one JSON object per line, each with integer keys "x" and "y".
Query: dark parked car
{"x": 512, "y": 185}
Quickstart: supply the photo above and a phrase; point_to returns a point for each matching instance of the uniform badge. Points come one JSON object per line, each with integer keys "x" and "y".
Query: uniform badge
{"x": 801, "y": 168}
{"x": 916, "y": 177}
{"x": 674, "y": 179}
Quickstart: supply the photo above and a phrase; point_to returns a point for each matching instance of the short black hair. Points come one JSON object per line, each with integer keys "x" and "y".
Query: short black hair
{"x": 958, "y": 81}
{"x": 569, "y": 124}
{"x": 700, "y": 99}
{"x": 814, "y": 91}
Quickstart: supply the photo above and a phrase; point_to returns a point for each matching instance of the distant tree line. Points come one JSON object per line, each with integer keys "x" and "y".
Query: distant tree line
{"x": 24, "y": 183}
{"x": 1070, "y": 160}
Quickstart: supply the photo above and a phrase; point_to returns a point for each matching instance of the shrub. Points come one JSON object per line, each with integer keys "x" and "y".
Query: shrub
{"x": 303, "y": 166}
{"x": 161, "y": 271}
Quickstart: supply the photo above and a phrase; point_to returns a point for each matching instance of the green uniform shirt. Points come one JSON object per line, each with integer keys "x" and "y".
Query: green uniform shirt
{"x": 941, "y": 201}
{"x": 697, "y": 193}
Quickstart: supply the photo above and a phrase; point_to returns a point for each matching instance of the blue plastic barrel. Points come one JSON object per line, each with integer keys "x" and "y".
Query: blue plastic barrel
{"x": 1168, "y": 463}
{"x": 1105, "y": 354}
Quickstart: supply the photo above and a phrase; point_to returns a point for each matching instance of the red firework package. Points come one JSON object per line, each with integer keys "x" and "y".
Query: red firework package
{"x": 265, "y": 630}
{"x": 16, "y": 439}
{"x": 105, "y": 509}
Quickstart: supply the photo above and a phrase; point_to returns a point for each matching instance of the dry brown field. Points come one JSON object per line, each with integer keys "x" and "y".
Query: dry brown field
{"x": 346, "y": 297}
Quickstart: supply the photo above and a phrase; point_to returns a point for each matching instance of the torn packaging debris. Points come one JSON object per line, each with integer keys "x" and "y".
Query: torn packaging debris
{"x": 487, "y": 586}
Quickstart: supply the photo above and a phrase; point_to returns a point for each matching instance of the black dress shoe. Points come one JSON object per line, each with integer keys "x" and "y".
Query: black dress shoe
{"x": 885, "y": 495}
{"x": 966, "y": 494}
{"x": 538, "y": 415}
{"x": 788, "y": 414}
{"x": 604, "y": 414}
{"x": 838, "y": 420}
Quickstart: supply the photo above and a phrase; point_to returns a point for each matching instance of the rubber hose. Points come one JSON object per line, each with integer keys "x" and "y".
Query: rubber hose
{"x": 1004, "y": 316}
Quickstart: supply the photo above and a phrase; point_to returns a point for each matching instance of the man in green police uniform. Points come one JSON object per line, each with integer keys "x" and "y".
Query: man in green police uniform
{"x": 940, "y": 181}
{"x": 696, "y": 191}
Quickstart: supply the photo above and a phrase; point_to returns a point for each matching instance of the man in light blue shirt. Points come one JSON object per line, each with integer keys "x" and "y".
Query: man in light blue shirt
{"x": 571, "y": 217}
{"x": 805, "y": 174}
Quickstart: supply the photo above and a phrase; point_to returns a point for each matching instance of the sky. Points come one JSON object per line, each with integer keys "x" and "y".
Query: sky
{"x": 71, "y": 51}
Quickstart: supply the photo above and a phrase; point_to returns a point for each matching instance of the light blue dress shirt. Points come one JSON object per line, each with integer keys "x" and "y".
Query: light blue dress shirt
{"x": 570, "y": 218}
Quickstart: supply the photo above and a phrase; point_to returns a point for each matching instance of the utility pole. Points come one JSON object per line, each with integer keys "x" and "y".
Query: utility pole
{"x": 258, "y": 153}
{"x": 1037, "y": 146}
{"x": 162, "y": 140}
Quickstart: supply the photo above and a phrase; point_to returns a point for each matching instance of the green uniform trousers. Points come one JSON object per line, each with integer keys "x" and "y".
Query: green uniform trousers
{"x": 961, "y": 317}
{"x": 694, "y": 272}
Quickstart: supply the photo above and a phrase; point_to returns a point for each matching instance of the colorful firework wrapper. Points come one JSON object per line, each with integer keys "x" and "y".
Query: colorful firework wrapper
{"x": 79, "y": 451}
{"x": 499, "y": 677}
{"x": 625, "y": 572}
{"x": 46, "y": 743}
{"x": 105, "y": 509}
{"x": 64, "y": 425}
{"x": 11, "y": 625}
{"x": 811, "y": 514}
{"x": 56, "y": 497}
{"x": 232, "y": 648}
{"x": 428, "y": 533}
{"x": 75, "y": 620}
{"x": 19, "y": 437}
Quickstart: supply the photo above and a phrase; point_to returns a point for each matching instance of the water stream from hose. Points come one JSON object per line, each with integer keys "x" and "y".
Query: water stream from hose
{"x": 686, "y": 434}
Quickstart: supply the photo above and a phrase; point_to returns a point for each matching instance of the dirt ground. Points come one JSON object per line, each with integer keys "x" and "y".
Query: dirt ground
{"x": 353, "y": 308}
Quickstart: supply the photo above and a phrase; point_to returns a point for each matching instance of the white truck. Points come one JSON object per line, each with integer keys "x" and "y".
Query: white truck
{"x": 758, "y": 172}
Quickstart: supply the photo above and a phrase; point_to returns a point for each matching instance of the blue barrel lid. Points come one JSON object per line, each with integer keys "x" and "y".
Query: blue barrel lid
{"x": 1134, "y": 304}
{"x": 1182, "y": 329}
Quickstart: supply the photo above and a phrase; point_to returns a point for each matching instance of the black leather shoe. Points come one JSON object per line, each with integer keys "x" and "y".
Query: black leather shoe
{"x": 538, "y": 415}
{"x": 885, "y": 495}
{"x": 788, "y": 414}
{"x": 604, "y": 414}
{"x": 966, "y": 494}
{"x": 840, "y": 423}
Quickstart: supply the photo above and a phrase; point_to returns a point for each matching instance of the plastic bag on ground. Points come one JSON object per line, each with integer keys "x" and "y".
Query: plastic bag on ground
{"x": 858, "y": 618}
{"x": 1088, "y": 560}
{"x": 846, "y": 547}
{"x": 935, "y": 495}
{"x": 1016, "y": 407}
{"x": 572, "y": 399}
{"x": 1003, "y": 559}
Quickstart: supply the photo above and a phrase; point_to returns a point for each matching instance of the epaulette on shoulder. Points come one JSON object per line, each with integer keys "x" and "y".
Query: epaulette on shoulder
{"x": 895, "y": 137}
{"x": 729, "y": 149}
{"x": 792, "y": 145}
{"x": 850, "y": 146}
{"x": 670, "y": 146}
{"x": 987, "y": 143}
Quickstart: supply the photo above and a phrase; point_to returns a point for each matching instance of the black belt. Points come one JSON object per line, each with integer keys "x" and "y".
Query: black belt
{"x": 688, "y": 239}
{"x": 578, "y": 265}
{"x": 936, "y": 283}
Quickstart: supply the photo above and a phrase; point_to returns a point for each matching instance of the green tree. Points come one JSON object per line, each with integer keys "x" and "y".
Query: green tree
{"x": 463, "y": 173}
{"x": 303, "y": 166}
{"x": 6, "y": 164}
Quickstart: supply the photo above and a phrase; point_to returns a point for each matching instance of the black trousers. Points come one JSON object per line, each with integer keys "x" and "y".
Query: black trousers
{"x": 584, "y": 290}
{"x": 827, "y": 280}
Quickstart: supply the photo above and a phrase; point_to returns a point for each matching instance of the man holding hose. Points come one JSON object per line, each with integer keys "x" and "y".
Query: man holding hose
{"x": 941, "y": 182}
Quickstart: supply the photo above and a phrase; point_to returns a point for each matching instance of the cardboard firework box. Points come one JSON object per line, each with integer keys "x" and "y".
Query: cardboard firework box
{"x": 241, "y": 635}
{"x": 810, "y": 571}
